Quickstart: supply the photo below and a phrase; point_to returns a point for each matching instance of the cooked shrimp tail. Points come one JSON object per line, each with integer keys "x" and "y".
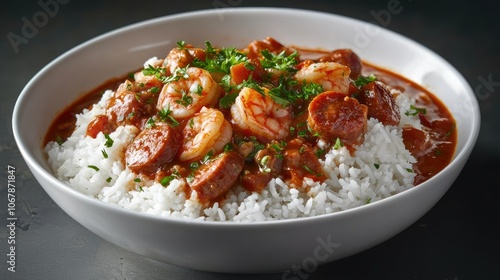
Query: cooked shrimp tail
{"x": 260, "y": 115}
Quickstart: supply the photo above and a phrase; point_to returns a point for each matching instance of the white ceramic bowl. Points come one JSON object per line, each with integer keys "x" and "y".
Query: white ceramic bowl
{"x": 233, "y": 247}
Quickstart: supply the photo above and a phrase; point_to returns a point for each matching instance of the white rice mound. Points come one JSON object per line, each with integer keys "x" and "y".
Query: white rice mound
{"x": 380, "y": 167}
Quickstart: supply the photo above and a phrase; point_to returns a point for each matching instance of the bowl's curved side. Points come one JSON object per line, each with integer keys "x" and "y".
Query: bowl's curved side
{"x": 230, "y": 247}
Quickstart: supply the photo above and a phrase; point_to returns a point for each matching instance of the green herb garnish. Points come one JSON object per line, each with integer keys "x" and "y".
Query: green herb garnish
{"x": 104, "y": 153}
{"x": 338, "y": 144}
{"x": 166, "y": 115}
{"x": 413, "y": 111}
{"x": 93, "y": 167}
{"x": 281, "y": 61}
{"x": 109, "y": 142}
{"x": 362, "y": 80}
{"x": 220, "y": 60}
{"x": 167, "y": 179}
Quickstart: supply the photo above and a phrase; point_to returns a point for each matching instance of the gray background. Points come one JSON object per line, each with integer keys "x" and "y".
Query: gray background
{"x": 457, "y": 239}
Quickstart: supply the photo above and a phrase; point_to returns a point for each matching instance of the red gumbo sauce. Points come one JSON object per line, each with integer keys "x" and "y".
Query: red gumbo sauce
{"x": 266, "y": 108}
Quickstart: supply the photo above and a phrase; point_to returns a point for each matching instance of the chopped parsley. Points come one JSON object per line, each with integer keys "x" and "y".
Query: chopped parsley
{"x": 452, "y": 129}
{"x": 181, "y": 45}
{"x": 363, "y": 80}
{"x": 256, "y": 146}
{"x": 207, "y": 157}
{"x": 319, "y": 153}
{"x": 59, "y": 140}
{"x": 154, "y": 90}
{"x": 165, "y": 181}
{"x": 194, "y": 165}
{"x": 290, "y": 90}
{"x": 93, "y": 167}
{"x": 166, "y": 115}
{"x": 263, "y": 164}
{"x": 228, "y": 147}
{"x": 338, "y": 144}
{"x": 185, "y": 100}
{"x": 220, "y": 60}
{"x": 150, "y": 123}
{"x": 160, "y": 72}
{"x": 413, "y": 111}
{"x": 281, "y": 61}
{"x": 227, "y": 100}
{"x": 308, "y": 169}
{"x": 109, "y": 142}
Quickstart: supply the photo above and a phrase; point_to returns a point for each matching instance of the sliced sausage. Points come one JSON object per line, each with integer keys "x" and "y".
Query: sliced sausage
{"x": 255, "y": 181}
{"x": 380, "y": 102}
{"x": 334, "y": 115}
{"x": 346, "y": 57}
{"x": 214, "y": 178}
{"x": 152, "y": 148}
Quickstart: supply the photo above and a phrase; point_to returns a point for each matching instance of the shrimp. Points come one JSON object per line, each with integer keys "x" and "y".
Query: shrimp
{"x": 208, "y": 131}
{"x": 189, "y": 93}
{"x": 152, "y": 62}
{"x": 331, "y": 75}
{"x": 261, "y": 115}
{"x": 182, "y": 57}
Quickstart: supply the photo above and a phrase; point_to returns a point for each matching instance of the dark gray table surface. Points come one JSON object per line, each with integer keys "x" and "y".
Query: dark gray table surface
{"x": 457, "y": 239}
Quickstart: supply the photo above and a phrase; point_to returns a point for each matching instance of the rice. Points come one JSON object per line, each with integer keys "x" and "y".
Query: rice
{"x": 380, "y": 167}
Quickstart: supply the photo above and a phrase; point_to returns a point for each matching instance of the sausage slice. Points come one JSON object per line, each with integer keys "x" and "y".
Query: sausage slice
{"x": 346, "y": 57}
{"x": 213, "y": 179}
{"x": 334, "y": 115}
{"x": 152, "y": 148}
{"x": 380, "y": 102}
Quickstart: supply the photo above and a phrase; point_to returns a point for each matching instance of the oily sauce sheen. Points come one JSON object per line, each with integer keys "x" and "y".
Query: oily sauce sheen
{"x": 433, "y": 146}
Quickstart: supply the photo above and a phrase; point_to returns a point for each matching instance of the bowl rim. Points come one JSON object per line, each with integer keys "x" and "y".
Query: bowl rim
{"x": 60, "y": 186}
